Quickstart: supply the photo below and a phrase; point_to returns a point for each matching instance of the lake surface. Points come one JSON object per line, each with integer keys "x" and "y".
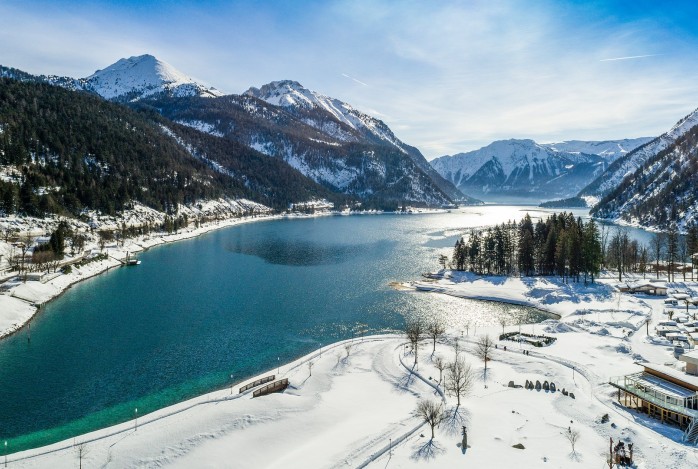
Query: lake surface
{"x": 236, "y": 301}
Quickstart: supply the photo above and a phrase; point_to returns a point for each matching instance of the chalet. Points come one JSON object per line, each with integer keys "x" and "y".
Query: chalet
{"x": 665, "y": 393}
{"x": 643, "y": 286}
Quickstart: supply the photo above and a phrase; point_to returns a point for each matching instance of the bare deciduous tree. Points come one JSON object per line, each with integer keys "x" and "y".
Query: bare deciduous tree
{"x": 483, "y": 348}
{"x": 459, "y": 378}
{"x": 431, "y": 412}
{"x": 310, "y": 367}
{"x": 347, "y": 349}
{"x": 435, "y": 330}
{"x": 658, "y": 242}
{"x": 441, "y": 365}
{"x": 572, "y": 436}
{"x": 81, "y": 451}
{"x": 25, "y": 243}
{"x": 414, "y": 331}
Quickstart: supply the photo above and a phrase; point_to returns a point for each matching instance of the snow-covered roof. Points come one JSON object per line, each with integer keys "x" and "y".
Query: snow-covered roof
{"x": 666, "y": 387}
{"x": 690, "y": 357}
{"x": 672, "y": 373}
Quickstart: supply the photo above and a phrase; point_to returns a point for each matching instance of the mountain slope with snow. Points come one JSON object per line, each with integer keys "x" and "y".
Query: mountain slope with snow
{"x": 380, "y": 176}
{"x": 145, "y": 75}
{"x": 659, "y": 187}
{"x": 611, "y": 150}
{"x": 344, "y": 123}
{"x": 636, "y": 159}
{"x": 513, "y": 168}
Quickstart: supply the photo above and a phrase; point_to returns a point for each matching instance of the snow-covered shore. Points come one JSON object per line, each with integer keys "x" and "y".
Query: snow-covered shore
{"x": 355, "y": 408}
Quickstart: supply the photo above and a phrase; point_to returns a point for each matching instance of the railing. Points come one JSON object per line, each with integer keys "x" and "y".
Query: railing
{"x": 621, "y": 382}
{"x": 271, "y": 387}
{"x": 256, "y": 383}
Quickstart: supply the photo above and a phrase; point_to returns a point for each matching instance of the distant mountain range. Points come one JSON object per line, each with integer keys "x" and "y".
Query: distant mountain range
{"x": 345, "y": 151}
{"x": 141, "y": 130}
{"x": 523, "y": 169}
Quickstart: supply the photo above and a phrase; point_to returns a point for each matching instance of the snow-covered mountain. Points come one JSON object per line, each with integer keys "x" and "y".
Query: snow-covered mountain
{"x": 145, "y": 75}
{"x": 126, "y": 80}
{"x": 611, "y": 150}
{"x": 293, "y": 96}
{"x": 655, "y": 185}
{"x": 327, "y": 140}
{"x": 630, "y": 163}
{"x": 344, "y": 123}
{"x": 508, "y": 169}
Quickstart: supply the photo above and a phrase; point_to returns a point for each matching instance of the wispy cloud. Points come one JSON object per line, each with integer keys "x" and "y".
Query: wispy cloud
{"x": 629, "y": 57}
{"x": 354, "y": 79}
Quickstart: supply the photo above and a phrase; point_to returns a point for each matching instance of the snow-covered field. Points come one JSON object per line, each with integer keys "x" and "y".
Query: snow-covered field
{"x": 357, "y": 407}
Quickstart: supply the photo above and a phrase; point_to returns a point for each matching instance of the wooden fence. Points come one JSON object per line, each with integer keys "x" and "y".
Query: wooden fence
{"x": 266, "y": 379}
{"x": 271, "y": 387}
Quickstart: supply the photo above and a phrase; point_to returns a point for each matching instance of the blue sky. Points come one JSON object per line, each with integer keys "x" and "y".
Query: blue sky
{"x": 446, "y": 76}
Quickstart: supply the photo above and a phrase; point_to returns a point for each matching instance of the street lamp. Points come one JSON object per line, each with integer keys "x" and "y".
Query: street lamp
{"x": 231, "y": 384}
{"x": 135, "y": 412}
{"x": 5, "y": 453}
{"x": 278, "y": 365}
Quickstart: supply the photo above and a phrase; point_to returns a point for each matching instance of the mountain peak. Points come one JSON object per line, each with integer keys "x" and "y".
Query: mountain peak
{"x": 289, "y": 94}
{"x": 139, "y": 76}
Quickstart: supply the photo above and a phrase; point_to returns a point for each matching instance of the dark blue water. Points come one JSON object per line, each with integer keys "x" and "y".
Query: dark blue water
{"x": 236, "y": 301}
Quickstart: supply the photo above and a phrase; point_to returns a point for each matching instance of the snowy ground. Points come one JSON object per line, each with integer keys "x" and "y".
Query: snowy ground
{"x": 347, "y": 413}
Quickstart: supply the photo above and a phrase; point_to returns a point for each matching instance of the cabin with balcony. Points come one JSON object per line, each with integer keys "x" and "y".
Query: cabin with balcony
{"x": 665, "y": 393}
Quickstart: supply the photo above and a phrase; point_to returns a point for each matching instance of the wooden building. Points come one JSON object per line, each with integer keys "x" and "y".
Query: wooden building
{"x": 665, "y": 393}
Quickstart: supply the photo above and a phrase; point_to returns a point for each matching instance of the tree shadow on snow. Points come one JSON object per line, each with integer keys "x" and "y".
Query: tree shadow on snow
{"x": 486, "y": 375}
{"x": 427, "y": 451}
{"x": 455, "y": 420}
{"x": 405, "y": 381}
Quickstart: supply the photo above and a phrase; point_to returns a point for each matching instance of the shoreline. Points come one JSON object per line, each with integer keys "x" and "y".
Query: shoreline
{"x": 212, "y": 397}
{"x": 465, "y": 295}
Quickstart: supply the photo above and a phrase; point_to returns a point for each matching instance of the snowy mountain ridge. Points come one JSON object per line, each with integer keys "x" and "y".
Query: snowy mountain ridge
{"x": 611, "y": 150}
{"x": 292, "y": 95}
{"x": 630, "y": 163}
{"x": 662, "y": 188}
{"x": 519, "y": 168}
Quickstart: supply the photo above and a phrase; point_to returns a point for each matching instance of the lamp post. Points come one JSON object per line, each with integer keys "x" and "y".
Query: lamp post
{"x": 135, "y": 413}
{"x": 5, "y": 453}
{"x": 278, "y": 365}
{"x": 231, "y": 384}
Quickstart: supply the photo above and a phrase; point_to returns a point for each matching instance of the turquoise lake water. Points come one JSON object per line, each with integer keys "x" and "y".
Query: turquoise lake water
{"x": 235, "y": 301}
